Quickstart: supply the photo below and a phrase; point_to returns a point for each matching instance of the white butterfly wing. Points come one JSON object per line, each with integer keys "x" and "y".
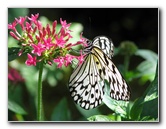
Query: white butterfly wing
{"x": 119, "y": 89}
{"x": 105, "y": 44}
{"x": 86, "y": 84}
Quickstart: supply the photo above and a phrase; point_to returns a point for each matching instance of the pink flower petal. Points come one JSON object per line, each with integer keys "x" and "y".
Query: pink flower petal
{"x": 60, "y": 61}
{"x": 31, "y": 60}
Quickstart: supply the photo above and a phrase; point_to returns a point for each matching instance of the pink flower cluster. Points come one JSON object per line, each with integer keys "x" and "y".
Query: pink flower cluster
{"x": 45, "y": 43}
{"x": 14, "y": 76}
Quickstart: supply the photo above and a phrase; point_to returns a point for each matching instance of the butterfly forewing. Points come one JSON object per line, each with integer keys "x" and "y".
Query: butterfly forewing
{"x": 105, "y": 44}
{"x": 86, "y": 83}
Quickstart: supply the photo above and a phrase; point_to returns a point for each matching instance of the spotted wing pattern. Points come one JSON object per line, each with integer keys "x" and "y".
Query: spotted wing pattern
{"x": 86, "y": 85}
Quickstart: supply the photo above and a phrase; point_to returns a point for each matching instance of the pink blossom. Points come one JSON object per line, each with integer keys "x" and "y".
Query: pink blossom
{"x": 48, "y": 43}
{"x": 31, "y": 60}
{"x": 82, "y": 41}
{"x": 45, "y": 43}
{"x": 38, "y": 38}
{"x": 64, "y": 24}
{"x": 40, "y": 34}
{"x": 49, "y": 62}
{"x": 54, "y": 27}
{"x": 60, "y": 61}
{"x": 65, "y": 29}
{"x": 20, "y": 52}
{"x": 39, "y": 24}
{"x": 44, "y": 32}
{"x": 21, "y": 21}
{"x": 30, "y": 37}
{"x": 68, "y": 59}
{"x": 81, "y": 58}
{"x": 12, "y": 26}
{"x": 34, "y": 18}
{"x": 28, "y": 27}
{"x": 38, "y": 49}
{"x": 14, "y": 36}
{"x": 48, "y": 29}
{"x": 14, "y": 76}
{"x": 62, "y": 32}
{"x": 34, "y": 30}
{"x": 54, "y": 24}
{"x": 65, "y": 32}
{"x": 60, "y": 42}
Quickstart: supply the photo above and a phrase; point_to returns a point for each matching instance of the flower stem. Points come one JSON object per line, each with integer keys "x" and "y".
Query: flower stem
{"x": 39, "y": 97}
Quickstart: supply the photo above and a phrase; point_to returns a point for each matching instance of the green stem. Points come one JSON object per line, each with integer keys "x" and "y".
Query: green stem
{"x": 39, "y": 97}
{"x": 126, "y": 63}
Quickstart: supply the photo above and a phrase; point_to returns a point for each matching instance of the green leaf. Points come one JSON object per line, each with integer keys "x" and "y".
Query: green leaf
{"x": 13, "y": 53}
{"x": 147, "y": 67}
{"x": 136, "y": 109}
{"x": 147, "y": 105}
{"x": 147, "y": 55}
{"x": 147, "y": 70}
{"x": 16, "y": 108}
{"x": 119, "y": 107}
{"x": 99, "y": 118}
{"x": 15, "y": 93}
{"x": 147, "y": 118}
{"x": 115, "y": 117}
{"x": 150, "y": 107}
{"x": 88, "y": 113}
{"x": 152, "y": 91}
{"x": 61, "y": 111}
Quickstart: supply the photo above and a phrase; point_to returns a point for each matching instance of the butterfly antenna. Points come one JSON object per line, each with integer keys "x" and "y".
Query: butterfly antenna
{"x": 90, "y": 28}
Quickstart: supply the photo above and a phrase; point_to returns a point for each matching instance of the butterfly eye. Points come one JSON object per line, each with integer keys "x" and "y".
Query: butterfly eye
{"x": 89, "y": 43}
{"x": 88, "y": 48}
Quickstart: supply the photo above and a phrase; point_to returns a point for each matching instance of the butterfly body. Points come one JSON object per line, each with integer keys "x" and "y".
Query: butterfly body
{"x": 86, "y": 83}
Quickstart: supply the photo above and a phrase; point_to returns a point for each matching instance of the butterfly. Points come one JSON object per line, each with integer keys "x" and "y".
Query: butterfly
{"x": 87, "y": 82}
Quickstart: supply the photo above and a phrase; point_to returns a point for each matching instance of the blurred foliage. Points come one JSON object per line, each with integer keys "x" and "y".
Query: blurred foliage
{"x": 16, "y": 108}
{"x": 61, "y": 112}
{"x": 59, "y": 106}
{"x": 127, "y": 48}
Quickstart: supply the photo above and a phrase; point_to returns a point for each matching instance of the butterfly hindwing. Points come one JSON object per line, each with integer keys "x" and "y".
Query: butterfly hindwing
{"x": 119, "y": 89}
